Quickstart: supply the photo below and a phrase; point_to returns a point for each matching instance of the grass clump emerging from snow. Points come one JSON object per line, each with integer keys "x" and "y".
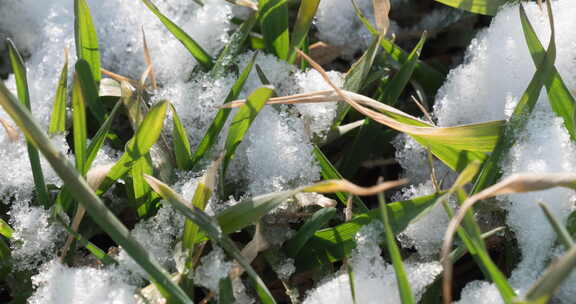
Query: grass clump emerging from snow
{"x": 203, "y": 151}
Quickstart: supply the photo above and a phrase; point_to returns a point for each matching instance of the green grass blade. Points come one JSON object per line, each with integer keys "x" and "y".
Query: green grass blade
{"x": 219, "y": 120}
{"x": 273, "y": 15}
{"x": 243, "y": 119}
{"x": 87, "y": 198}
{"x": 24, "y": 96}
{"x": 4, "y": 259}
{"x": 181, "y": 144}
{"x": 403, "y": 285}
{"x": 58, "y": 117}
{"x": 262, "y": 76}
{"x": 517, "y": 122}
{"x": 235, "y": 46}
{"x": 328, "y": 171}
{"x": 140, "y": 189}
{"x": 101, "y": 135}
{"x": 306, "y": 14}
{"x": 360, "y": 70}
{"x": 202, "y": 195}
{"x": 395, "y": 86}
{"x": 552, "y": 279}
{"x": 477, "y": 249}
{"x": 64, "y": 198}
{"x": 250, "y": 210}
{"x": 563, "y": 234}
{"x": 5, "y": 229}
{"x": 333, "y": 244}
{"x": 79, "y": 126}
{"x": 314, "y": 223}
{"x": 225, "y": 293}
{"x": 483, "y": 7}
{"x": 90, "y": 90}
{"x": 86, "y": 38}
{"x": 203, "y": 58}
{"x": 357, "y": 74}
{"x": 145, "y": 137}
{"x": 213, "y": 231}
{"x": 559, "y": 96}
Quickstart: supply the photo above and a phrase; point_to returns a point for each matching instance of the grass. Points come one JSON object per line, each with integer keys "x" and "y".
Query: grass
{"x": 323, "y": 241}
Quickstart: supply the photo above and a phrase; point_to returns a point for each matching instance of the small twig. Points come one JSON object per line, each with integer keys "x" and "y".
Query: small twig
{"x": 423, "y": 109}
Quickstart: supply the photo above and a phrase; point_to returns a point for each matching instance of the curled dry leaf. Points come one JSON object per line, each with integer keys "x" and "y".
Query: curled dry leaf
{"x": 10, "y": 130}
{"x": 517, "y": 183}
{"x": 381, "y": 11}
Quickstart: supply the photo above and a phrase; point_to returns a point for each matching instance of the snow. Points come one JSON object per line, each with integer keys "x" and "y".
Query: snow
{"x": 35, "y": 237}
{"x": 480, "y": 292}
{"x": 213, "y": 267}
{"x": 57, "y": 283}
{"x": 427, "y": 233}
{"x": 158, "y": 236}
{"x": 318, "y": 117}
{"x": 374, "y": 279}
{"x": 276, "y": 154}
{"x": 338, "y": 25}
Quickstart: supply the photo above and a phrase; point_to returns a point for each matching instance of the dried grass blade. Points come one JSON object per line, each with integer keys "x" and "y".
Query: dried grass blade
{"x": 331, "y": 186}
{"x": 10, "y": 130}
{"x": 381, "y": 11}
{"x": 148, "y": 60}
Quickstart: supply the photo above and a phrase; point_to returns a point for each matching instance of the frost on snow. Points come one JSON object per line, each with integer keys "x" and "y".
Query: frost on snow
{"x": 374, "y": 279}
